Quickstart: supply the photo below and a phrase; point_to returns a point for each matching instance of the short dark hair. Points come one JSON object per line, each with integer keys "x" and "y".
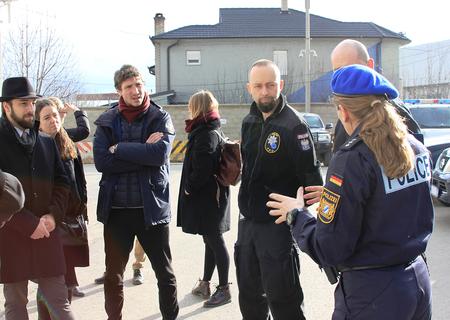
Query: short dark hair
{"x": 127, "y": 71}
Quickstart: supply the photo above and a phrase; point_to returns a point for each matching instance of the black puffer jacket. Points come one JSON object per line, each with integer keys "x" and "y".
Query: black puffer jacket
{"x": 278, "y": 156}
{"x": 206, "y": 210}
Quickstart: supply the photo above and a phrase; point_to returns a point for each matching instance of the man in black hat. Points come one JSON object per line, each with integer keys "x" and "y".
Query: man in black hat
{"x": 12, "y": 197}
{"x": 29, "y": 247}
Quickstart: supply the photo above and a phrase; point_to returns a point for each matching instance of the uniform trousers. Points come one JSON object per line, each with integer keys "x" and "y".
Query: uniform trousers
{"x": 267, "y": 269}
{"x": 119, "y": 232}
{"x": 392, "y": 293}
{"x": 52, "y": 292}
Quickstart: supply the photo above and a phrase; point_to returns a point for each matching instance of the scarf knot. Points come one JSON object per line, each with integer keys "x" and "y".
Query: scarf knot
{"x": 192, "y": 123}
{"x": 130, "y": 113}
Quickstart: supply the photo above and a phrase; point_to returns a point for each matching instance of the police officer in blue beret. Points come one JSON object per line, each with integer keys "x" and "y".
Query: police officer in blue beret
{"x": 375, "y": 215}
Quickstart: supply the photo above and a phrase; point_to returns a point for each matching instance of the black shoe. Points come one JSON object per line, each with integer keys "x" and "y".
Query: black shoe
{"x": 76, "y": 292}
{"x": 138, "y": 278}
{"x": 220, "y": 297}
{"x": 100, "y": 280}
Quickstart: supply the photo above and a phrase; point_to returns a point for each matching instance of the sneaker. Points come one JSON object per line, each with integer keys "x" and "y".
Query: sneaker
{"x": 138, "y": 278}
{"x": 100, "y": 280}
{"x": 202, "y": 289}
{"x": 220, "y": 297}
{"x": 76, "y": 292}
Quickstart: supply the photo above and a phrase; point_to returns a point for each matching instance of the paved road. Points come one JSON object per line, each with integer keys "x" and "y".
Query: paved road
{"x": 141, "y": 302}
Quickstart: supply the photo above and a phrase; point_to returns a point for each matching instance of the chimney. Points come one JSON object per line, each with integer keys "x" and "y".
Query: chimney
{"x": 284, "y": 6}
{"x": 159, "y": 23}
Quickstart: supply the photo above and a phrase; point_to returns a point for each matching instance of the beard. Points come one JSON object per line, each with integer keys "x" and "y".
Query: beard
{"x": 267, "y": 106}
{"x": 26, "y": 124}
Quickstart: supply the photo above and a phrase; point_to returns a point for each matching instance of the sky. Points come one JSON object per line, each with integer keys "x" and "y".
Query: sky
{"x": 105, "y": 34}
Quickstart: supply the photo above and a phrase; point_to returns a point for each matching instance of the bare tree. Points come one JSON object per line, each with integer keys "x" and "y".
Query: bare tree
{"x": 38, "y": 53}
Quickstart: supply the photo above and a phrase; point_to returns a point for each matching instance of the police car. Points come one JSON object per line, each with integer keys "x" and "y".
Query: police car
{"x": 321, "y": 136}
{"x": 433, "y": 117}
{"x": 441, "y": 178}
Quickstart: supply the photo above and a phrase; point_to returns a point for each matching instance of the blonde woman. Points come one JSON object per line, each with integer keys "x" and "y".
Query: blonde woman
{"x": 204, "y": 204}
{"x": 375, "y": 215}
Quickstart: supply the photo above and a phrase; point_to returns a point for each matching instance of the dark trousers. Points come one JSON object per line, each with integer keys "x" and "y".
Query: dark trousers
{"x": 216, "y": 254}
{"x": 119, "y": 232}
{"x": 51, "y": 295}
{"x": 387, "y": 293}
{"x": 268, "y": 268}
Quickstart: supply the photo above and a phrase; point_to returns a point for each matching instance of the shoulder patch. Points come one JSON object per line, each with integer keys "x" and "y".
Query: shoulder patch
{"x": 336, "y": 180}
{"x": 328, "y": 205}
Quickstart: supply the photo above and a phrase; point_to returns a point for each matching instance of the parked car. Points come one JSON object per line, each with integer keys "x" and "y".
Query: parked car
{"x": 441, "y": 178}
{"x": 434, "y": 120}
{"x": 321, "y": 136}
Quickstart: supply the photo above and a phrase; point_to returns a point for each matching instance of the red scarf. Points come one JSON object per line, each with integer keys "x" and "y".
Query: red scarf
{"x": 130, "y": 113}
{"x": 192, "y": 123}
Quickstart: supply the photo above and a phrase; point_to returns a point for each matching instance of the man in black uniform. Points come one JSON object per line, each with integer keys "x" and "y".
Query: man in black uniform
{"x": 349, "y": 52}
{"x": 278, "y": 156}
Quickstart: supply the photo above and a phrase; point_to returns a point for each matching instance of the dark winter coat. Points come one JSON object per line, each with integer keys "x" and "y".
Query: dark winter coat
{"x": 206, "y": 210}
{"x": 78, "y": 255}
{"x": 45, "y": 184}
{"x": 149, "y": 161}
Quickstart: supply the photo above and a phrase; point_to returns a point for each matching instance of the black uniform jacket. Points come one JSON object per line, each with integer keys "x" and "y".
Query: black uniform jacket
{"x": 278, "y": 156}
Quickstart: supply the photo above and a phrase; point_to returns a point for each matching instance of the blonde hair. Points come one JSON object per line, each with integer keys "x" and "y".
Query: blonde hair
{"x": 66, "y": 146}
{"x": 383, "y": 131}
{"x": 202, "y": 102}
{"x": 57, "y": 102}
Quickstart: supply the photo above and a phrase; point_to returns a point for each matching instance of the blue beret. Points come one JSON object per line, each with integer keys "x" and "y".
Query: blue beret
{"x": 359, "y": 80}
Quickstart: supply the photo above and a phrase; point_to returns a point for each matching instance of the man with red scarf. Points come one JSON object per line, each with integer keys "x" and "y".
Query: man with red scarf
{"x": 131, "y": 149}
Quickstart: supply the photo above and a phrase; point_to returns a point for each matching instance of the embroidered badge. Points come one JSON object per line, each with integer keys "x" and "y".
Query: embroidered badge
{"x": 328, "y": 205}
{"x": 272, "y": 142}
{"x": 336, "y": 180}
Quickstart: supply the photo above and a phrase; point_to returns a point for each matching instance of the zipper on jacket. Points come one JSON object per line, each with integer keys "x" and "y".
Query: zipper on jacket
{"x": 258, "y": 154}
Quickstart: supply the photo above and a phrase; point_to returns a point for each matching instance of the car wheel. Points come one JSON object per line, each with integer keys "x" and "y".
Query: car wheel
{"x": 445, "y": 203}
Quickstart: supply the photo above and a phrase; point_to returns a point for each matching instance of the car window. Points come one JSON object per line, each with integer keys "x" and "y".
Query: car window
{"x": 432, "y": 117}
{"x": 313, "y": 121}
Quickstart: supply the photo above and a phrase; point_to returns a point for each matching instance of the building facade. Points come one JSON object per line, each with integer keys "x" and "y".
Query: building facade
{"x": 217, "y": 57}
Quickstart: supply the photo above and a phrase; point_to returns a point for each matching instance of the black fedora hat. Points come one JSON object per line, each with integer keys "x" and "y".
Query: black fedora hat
{"x": 17, "y": 87}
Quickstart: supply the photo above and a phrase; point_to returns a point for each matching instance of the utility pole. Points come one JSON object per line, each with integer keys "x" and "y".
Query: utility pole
{"x": 307, "y": 59}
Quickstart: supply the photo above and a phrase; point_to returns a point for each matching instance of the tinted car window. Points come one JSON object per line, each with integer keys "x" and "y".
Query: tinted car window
{"x": 430, "y": 117}
{"x": 314, "y": 121}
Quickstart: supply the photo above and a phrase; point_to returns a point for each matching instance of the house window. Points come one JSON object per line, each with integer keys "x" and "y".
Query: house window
{"x": 280, "y": 59}
{"x": 193, "y": 58}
